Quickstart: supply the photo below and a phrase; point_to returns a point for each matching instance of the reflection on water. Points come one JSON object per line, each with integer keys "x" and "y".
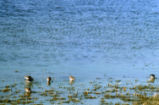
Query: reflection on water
{"x": 85, "y": 38}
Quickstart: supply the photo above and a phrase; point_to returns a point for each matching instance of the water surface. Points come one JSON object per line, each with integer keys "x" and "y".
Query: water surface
{"x": 84, "y": 38}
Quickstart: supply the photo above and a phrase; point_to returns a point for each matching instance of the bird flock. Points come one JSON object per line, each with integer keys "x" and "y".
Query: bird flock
{"x": 30, "y": 79}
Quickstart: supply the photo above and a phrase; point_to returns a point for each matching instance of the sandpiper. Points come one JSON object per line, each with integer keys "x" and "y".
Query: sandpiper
{"x": 152, "y": 78}
{"x": 28, "y": 78}
{"x": 48, "y": 79}
{"x": 71, "y": 79}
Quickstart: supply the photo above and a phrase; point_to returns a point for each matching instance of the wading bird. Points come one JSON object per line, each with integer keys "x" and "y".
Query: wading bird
{"x": 48, "y": 79}
{"x": 71, "y": 79}
{"x": 28, "y": 78}
{"x": 152, "y": 78}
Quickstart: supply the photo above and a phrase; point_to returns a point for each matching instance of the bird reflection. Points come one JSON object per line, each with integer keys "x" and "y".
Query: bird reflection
{"x": 27, "y": 91}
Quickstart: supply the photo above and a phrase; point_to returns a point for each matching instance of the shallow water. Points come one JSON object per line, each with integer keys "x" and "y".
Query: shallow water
{"x": 86, "y": 38}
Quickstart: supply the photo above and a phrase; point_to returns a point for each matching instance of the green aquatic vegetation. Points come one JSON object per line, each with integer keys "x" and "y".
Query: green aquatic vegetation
{"x": 119, "y": 104}
{"x": 143, "y": 88}
{"x": 49, "y": 93}
{"x": 57, "y": 98}
{"x": 123, "y": 104}
{"x": 124, "y": 89}
{"x": 3, "y": 80}
{"x": 23, "y": 99}
{"x": 97, "y": 87}
{"x": 91, "y": 82}
{"x": 113, "y": 86}
{"x": 72, "y": 94}
{"x": 109, "y": 96}
{"x": 18, "y": 101}
{"x": 14, "y": 96}
{"x": 85, "y": 93}
{"x": 7, "y": 86}
{"x": 71, "y": 88}
{"x": 123, "y": 97}
{"x": 147, "y": 100}
{"x": 98, "y": 78}
{"x": 27, "y": 102}
{"x": 90, "y": 97}
{"x": 36, "y": 98}
{"x": 58, "y": 92}
{"x": 97, "y": 93}
{"x": 67, "y": 101}
{"x": 157, "y": 89}
{"x": 75, "y": 100}
{"x": 5, "y": 101}
{"x": 17, "y": 91}
{"x": 44, "y": 94}
{"x": 117, "y": 81}
{"x": 102, "y": 100}
{"x": 13, "y": 85}
{"x": 111, "y": 90}
{"x": 110, "y": 79}
{"x": 16, "y": 71}
{"x": 37, "y": 104}
{"x": 6, "y": 89}
{"x": 55, "y": 95}
{"x": 136, "y": 81}
{"x": 126, "y": 98}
